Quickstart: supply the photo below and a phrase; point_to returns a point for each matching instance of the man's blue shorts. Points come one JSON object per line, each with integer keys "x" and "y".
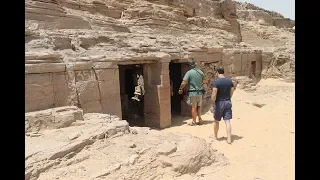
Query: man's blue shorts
{"x": 222, "y": 109}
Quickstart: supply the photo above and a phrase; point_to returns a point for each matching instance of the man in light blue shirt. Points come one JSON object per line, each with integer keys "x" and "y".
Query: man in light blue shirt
{"x": 194, "y": 78}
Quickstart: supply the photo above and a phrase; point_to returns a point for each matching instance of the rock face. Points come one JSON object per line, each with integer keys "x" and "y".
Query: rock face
{"x": 99, "y": 146}
{"x": 73, "y": 49}
{"x": 52, "y": 118}
{"x": 274, "y": 34}
{"x": 250, "y": 12}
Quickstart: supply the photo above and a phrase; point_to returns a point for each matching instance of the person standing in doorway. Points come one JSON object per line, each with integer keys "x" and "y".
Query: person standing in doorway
{"x": 138, "y": 94}
{"x": 221, "y": 106}
{"x": 194, "y": 78}
{"x": 139, "y": 89}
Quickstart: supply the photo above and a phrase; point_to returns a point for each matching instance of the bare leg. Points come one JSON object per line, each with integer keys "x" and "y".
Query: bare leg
{"x": 194, "y": 113}
{"x": 199, "y": 113}
{"x": 228, "y": 126}
{"x": 216, "y": 129}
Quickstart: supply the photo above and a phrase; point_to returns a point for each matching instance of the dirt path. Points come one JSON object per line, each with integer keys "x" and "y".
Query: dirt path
{"x": 263, "y": 146}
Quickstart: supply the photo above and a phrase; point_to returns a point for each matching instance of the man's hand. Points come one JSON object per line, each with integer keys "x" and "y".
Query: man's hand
{"x": 180, "y": 91}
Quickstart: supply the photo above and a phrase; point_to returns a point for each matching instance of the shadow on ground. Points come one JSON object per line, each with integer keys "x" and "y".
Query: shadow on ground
{"x": 233, "y": 138}
{"x": 178, "y": 120}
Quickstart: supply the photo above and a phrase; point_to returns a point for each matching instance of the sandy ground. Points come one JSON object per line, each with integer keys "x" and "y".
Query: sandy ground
{"x": 263, "y": 146}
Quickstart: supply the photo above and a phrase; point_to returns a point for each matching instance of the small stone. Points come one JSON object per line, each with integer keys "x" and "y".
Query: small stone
{"x": 144, "y": 150}
{"x": 166, "y": 163}
{"x": 74, "y": 136}
{"x": 35, "y": 135}
{"x": 253, "y": 145}
{"x": 132, "y": 145}
{"x": 133, "y": 159}
{"x": 166, "y": 148}
{"x": 133, "y": 131}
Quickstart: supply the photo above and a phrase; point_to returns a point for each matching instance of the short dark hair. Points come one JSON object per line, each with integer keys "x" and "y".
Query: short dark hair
{"x": 220, "y": 70}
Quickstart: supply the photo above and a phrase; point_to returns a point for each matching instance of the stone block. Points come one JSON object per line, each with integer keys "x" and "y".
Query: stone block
{"x": 59, "y": 78}
{"x": 88, "y": 91}
{"x": 84, "y": 75}
{"x": 38, "y": 104}
{"x": 214, "y": 57}
{"x": 83, "y": 66}
{"x": 103, "y": 65}
{"x": 112, "y": 106}
{"x": 165, "y": 118}
{"x": 45, "y": 78}
{"x": 108, "y": 75}
{"x": 35, "y": 121}
{"x": 44, "y": 68}
{"x": 52, "y": 118}
{"x": 199, "y": 56}
{"x": 61, "y": 98}
{"x": 109, "y": 89}
{"x": 91, "y": 107}
{"x": 38, "y": 91}
{"x": 42, "y": 56}
{"x": 215, "y": 49}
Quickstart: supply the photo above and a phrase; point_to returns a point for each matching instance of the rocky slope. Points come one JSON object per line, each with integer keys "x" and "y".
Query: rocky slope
{"x": 274, "y": 34}
{"x": 100, "y": 146}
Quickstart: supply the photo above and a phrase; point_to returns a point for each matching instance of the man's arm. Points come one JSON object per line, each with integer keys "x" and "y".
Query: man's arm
{"x": 214, "y": 92}
{"x": 233, "y": 88}
{"x": 184, "y": 82}
{"x": 214, "y": 95}
{"x": 231, "y": 91}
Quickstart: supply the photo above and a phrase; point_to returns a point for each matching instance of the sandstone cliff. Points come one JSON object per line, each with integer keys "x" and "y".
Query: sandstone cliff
{"x": 64, "y": 37}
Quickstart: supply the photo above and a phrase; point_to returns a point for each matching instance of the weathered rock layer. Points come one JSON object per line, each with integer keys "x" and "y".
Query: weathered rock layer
{"x": 103, "y": 146}
{"x": 73, "y": 48}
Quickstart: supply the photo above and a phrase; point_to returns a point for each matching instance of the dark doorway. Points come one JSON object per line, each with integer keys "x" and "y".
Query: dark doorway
{"x": 175, "y": 80}
{"x": 252, "y": 74}
{"x": 253, "y": 67}
{"x": 132, "y": 110}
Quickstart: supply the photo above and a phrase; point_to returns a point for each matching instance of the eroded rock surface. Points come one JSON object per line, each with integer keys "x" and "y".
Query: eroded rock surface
{"x": 73, "y": 48}
{"x": 52, "y": 118}
{"x": 101, "y": 147}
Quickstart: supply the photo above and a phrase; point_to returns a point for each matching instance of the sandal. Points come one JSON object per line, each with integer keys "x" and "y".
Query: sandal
{"x": 200, "y": 121}
{"x": 192, "y": 123}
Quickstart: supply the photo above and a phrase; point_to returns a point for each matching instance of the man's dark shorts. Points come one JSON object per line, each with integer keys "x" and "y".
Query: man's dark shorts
{"x": 222, "y": 109}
